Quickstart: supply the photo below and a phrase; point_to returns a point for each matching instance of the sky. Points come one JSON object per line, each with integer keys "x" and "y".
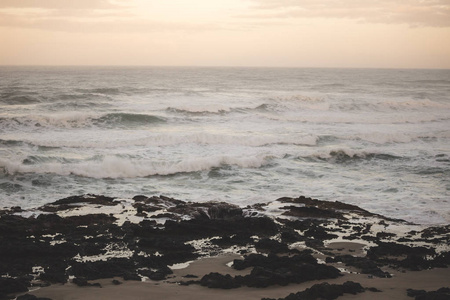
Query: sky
{"x": 272, "y": 33}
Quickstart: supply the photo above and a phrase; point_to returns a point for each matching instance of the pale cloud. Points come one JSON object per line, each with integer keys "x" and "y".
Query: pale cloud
{"x": 94, "y": 16}
{"x": 59, "y": 4}
{"x": 435, "y": 13}
{"x": 321, "y": 33}
{"x": 94, "y": 23}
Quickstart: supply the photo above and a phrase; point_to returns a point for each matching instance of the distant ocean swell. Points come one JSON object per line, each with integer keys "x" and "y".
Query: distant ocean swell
{"x": 375, "y": 138}
{"x": 78, "y": 120}
{"x": 161, "y": 140}
{"x": 120, "y": 166}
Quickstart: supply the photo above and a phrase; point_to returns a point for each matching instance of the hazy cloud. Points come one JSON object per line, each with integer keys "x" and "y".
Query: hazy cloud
{"x": 98, "y": 22}
{"x": 58, "y": 4}
{"x": 87, "y": 16}
{"x": 413, "y": 12}
{"x": 122, "y": 16}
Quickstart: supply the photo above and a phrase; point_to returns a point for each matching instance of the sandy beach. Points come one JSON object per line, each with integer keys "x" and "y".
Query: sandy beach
{"x": 391, "y": 288}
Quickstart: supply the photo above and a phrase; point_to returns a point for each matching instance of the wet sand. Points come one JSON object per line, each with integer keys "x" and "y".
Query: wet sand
{"x": 391, "y": 288}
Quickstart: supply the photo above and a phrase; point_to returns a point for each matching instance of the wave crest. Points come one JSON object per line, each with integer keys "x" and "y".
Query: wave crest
{"x": 78, "y": 120}
{"x": 349, "y": 155}
{"x": 162, "y": 140}
{"x": 120, "y": 167}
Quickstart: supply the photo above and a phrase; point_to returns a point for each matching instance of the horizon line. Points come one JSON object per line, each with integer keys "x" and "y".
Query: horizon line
{"x": 225, "y": 66}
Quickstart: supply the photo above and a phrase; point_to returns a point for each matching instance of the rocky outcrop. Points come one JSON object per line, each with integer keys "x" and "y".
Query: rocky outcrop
{"x": 325, "y": 291}
{"x": 91, "y": 237}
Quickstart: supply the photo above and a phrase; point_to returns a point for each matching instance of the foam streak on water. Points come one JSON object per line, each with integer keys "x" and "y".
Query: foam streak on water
{"x": 379, "y": 139}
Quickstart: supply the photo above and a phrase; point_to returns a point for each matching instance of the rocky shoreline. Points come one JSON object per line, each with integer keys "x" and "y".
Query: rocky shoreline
{"x": 83, "y": 239}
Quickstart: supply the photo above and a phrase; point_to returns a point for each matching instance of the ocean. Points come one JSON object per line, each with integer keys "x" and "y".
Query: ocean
{"x": 376, "y": 138}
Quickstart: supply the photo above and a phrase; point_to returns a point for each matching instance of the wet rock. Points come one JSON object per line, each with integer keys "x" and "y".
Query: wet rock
{"x": 73, "y": 201}
{"x": 80, "y": 281}
{"x": 325, "y": 291}
{"x": 131, "y": 276}
{"x": 31, "y": 297}
{"x": 273, "y": 246}
{"x": 219, "y": 281}
{"x": 140, "y": 198}
{"x": 440, "y": 294}
{"x": 385, "y": 235}
{"x": 116, "y": 267}
{"x": 288, "y": 235}
{"x": 394, "y": 249}
{"x": 63, "y": 246}
{"x": 325, "y": 205}
{"x": 319, "y": 233}
{"x": 311, "y": 212}
{"x": 224, "y": 211}
{"x": 11, "y": 285}
{"x": 233, "y": 240}
{"x": 366, "y": 265}
{"x": 157, "y": 275}
{"x": 282, "y": 270}
{"x": 414, "y": 293}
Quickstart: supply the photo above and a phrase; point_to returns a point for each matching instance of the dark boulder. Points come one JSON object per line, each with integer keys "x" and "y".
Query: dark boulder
{"x": 11, "y": 285}
{"x": 219, "y": 281}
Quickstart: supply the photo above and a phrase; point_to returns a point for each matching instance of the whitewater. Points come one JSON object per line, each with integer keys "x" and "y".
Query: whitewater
{"x": 377, "y": 138}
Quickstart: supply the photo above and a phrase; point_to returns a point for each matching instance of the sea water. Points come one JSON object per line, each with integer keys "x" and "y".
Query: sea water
{"x": 376, "y": 138}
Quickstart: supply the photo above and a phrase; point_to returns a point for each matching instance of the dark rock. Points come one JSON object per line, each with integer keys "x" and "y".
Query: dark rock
{"x": 384, "y": 235}
{"x": 90, "y": 198}
{"x": 11, "y": 285}
{"x": 54, "y": 277}
{"x": 131, "y": 276}
{"x": 116, "y": 267}
{"x": 273, "y": 246}
{"x": 291, "y": 236}
{"x": 55, "y": 243}
{"x": 233, "y": 240}
{"x": 31, "y": 297}
{"x": 414, "y": 293}
{"x": 140, "y": 198}
{"x": 394, "y": 249}
{"x": 282, "y": 270}
{"x": 325, "y": 205}
{"x": 83, "y": 282}
{"x": 440, "y": 294}
{"x": 319, "y": 233}
{"x": 366, "y": 265}
{"x": 224, "y": 211}
{"x": 80, "y": 281}
{"x": 311, "y": 212}
{"x": 116, "y": 282}
{"x": 216, "y": 280}
{"x": 326, "y": 291}
{"x": 158, "y": 275}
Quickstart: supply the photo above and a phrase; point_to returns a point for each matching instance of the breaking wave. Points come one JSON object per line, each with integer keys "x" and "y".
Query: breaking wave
{"x": 129, "y": 119}
{"x": 200, "y": 110}
{"x": 349, "y": 155}
{"x": 78, "y": 120}
{"x": 103, "y": 91}
{"x": 19, "y": 99}
{"x": 119, "y": 167}
{"x": 161, "y": 140}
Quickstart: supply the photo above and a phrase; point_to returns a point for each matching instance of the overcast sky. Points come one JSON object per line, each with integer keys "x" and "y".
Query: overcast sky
{"x": 283, "y": 33}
